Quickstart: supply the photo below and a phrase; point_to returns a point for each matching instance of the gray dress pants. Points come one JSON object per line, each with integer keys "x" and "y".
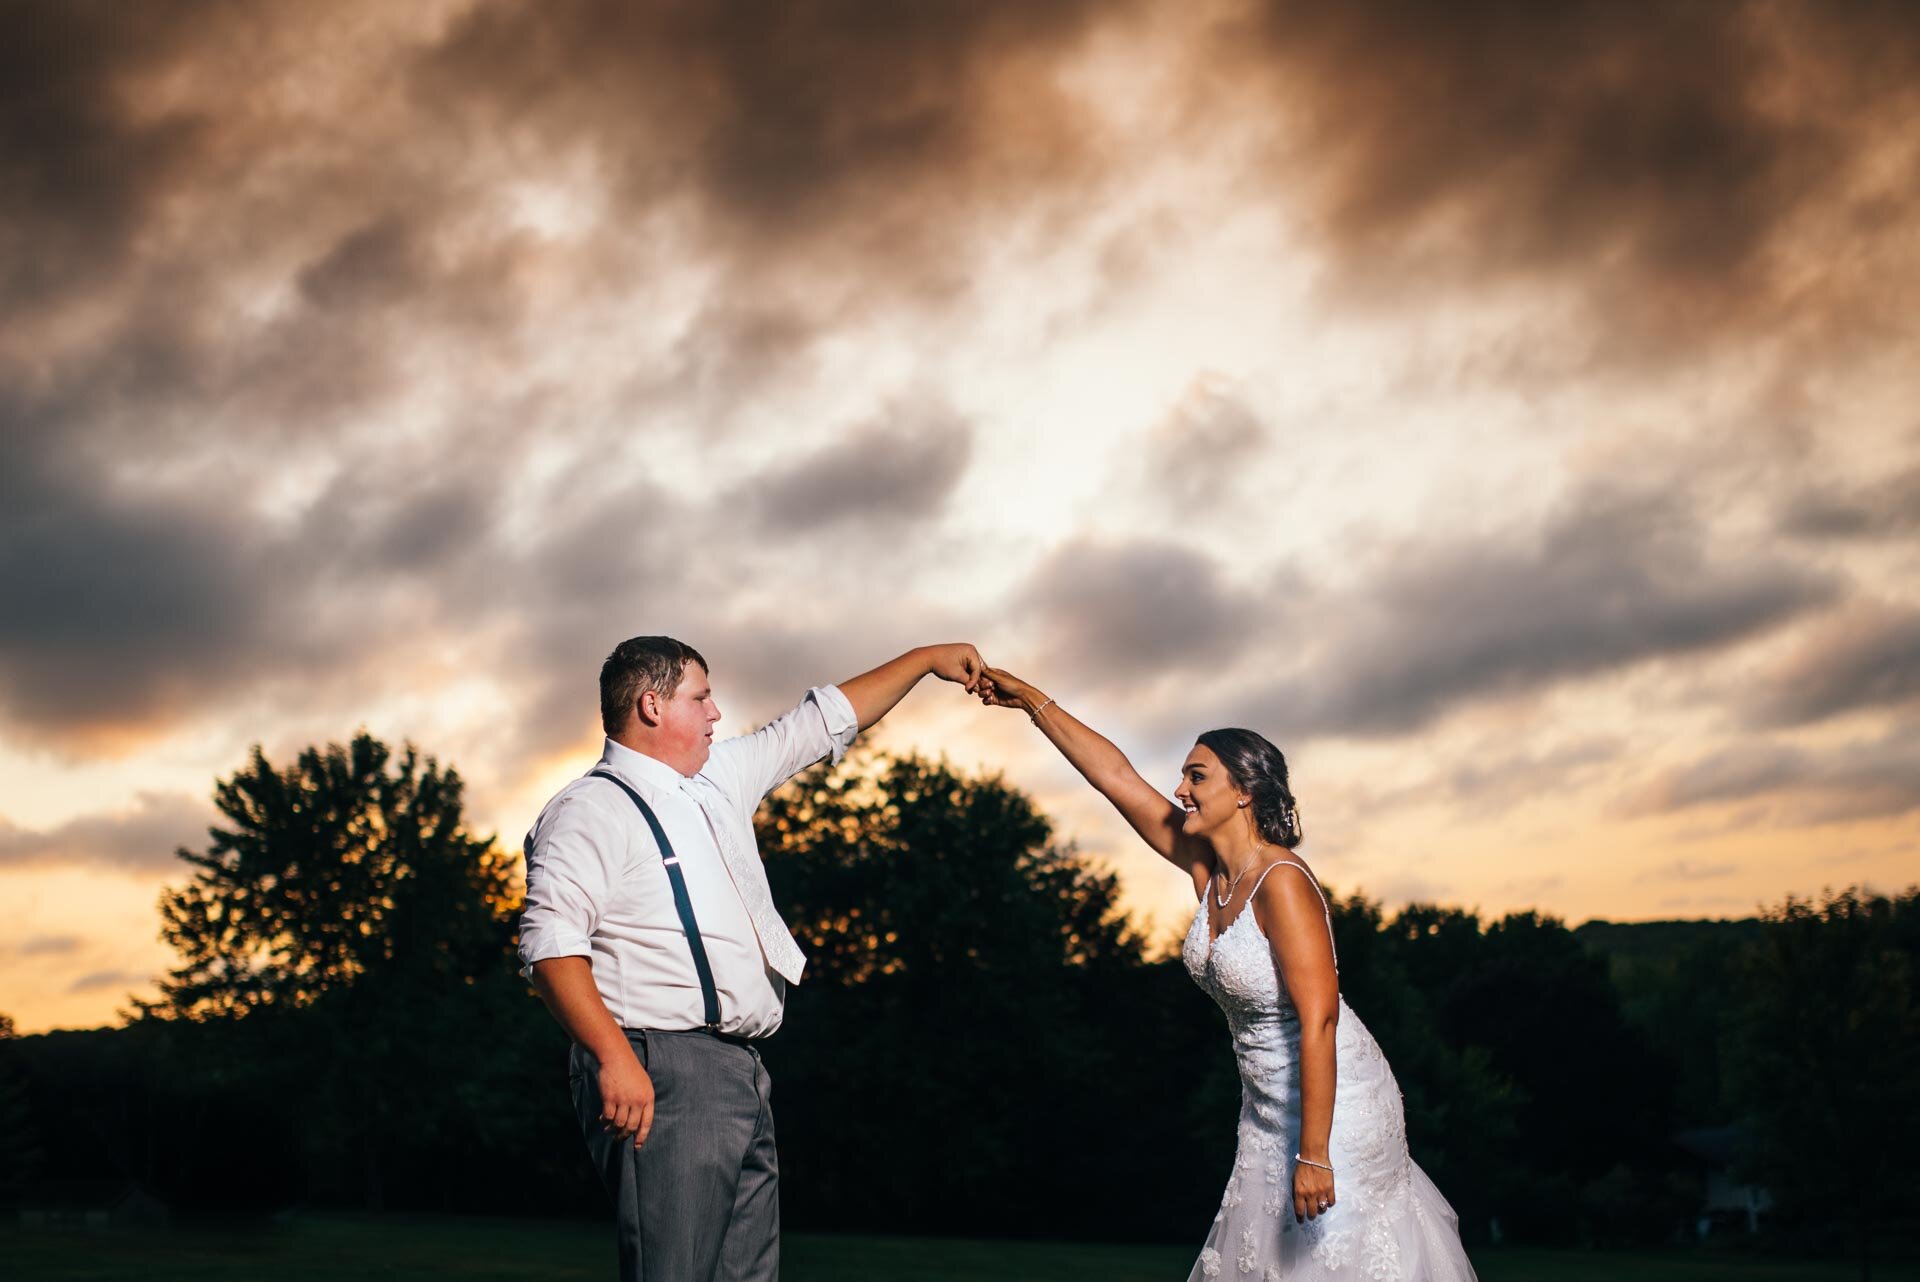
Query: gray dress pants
{"x": 701, "y": 1201}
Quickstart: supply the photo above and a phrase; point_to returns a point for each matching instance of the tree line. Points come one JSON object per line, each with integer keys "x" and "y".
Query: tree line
{"x": 984, "y": 1044}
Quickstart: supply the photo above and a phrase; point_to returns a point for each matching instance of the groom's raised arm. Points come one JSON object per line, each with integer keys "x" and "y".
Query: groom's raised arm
{"x": 749, "y": 766}
{"x": 874, "y": 693}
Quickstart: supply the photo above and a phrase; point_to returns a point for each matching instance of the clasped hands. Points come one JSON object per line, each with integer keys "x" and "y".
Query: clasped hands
{"x": 961, "y": 663}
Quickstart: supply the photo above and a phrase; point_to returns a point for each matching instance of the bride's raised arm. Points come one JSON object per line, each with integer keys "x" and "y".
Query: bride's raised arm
{"x": 1151, "y": 813}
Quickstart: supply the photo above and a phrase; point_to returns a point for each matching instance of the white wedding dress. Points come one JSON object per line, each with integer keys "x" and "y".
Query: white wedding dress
{"x": 1388, "y": 1222}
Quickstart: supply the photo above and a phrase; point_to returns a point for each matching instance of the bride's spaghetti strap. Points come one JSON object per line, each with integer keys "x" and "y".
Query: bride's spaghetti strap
{"x": 1263, "y": 876}
{"x": 1325, "y": 908}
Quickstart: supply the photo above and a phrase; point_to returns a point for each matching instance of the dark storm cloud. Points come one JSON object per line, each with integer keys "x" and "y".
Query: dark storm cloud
{"x": 154, "y": 196}
{"x": 611, "y": 561}
{"x": 1666, "y": 157}
{"x": 1491, "y": 782}
{"x": 868, "y": 131}
{"x": 100, "y": 979}
{"x": 1211, "y": 440}
{"x": 1121, "y": 613}
{"x": 148, "y": 584}
{"x": 763, "y": 664}
{"x": 898, "y": 469}
{"x": 143, "y": 838}
{"x": 642, "y": 560}
{"x": 1688, "y": 870}
{"x": 1885, "y": 508}
{"x": 371, "y": 264}
{"x": 732, "y": 352}
{"x": 220, "y": 289}
{"x": 49, "y": 946}
{"x": 120, "y": 609}
{"x": 1661, "y": 154}
{"x": 1866, "y": 659}
{"x": 78, "y": 175}
{"x": 1498, "y": 774}
{"x": 1863, "y": 779}
{"x": 397, "y": 517}
{"x": 136, "y": 606}
{"x": 146, "y": 184}
{"x": 1611, "y": 581}
{"x": 267, "y": 276}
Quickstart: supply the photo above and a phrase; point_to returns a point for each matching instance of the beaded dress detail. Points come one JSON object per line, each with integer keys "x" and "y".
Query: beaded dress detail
{"x": 1388, "y": 1222}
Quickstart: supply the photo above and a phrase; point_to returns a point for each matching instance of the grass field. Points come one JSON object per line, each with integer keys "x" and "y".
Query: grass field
{"x": 342, "y": 1248}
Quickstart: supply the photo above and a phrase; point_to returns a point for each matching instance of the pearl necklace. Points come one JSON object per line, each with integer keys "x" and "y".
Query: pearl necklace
{"x": 1221, "y": 901}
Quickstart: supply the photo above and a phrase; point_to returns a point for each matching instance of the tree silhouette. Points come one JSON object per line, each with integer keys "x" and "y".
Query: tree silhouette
{"x": 20, "y": 1154}
{"x": 1829, "y": 1059}
{"x": 358, "y": 937}
{"x": 1592, "y": 1094}
{"x": 973, "y": 992}
{"x": 1460, "y": 1112}
{"x": 901, "y": 866}
{"x": 331, "y": 871}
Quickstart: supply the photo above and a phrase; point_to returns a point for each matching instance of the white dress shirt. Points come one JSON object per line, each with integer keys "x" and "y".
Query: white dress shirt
{"x": 596, "y": 886}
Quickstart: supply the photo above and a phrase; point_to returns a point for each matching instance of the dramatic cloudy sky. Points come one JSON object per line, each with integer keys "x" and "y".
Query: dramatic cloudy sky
{"x": 1508, "y": 408}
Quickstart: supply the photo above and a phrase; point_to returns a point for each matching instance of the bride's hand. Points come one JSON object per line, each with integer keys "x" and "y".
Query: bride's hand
{"x": 1312, "y": 1192}
{"x": 1001, "y": 689}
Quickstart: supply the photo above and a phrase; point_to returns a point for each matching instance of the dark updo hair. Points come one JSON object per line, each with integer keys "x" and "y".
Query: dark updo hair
{"x": 1259, "y": 769}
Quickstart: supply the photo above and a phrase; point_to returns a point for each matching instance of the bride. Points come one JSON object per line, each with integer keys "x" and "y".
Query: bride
{"x": 1322, "y": 1186}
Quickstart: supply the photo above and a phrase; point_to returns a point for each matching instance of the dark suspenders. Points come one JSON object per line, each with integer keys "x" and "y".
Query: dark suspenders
{"x": 684, "y": 905}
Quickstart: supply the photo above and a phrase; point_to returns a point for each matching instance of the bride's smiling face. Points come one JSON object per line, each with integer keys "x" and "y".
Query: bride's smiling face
{"x": 1207, "y": 792}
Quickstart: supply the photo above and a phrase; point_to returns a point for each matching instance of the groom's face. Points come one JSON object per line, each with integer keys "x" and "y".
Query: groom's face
{"x": 686, "y": 723}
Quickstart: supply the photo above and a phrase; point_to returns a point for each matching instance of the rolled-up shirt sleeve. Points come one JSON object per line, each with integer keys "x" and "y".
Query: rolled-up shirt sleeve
{"x": 749, "y": 766}
{"x": 572, "y": 868}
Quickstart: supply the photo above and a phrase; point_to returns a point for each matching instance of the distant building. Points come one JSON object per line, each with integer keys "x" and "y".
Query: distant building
{"x": 1728, "y": 1202}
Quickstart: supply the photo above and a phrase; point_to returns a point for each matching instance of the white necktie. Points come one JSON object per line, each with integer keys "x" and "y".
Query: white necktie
{"x": 750, "y": 879}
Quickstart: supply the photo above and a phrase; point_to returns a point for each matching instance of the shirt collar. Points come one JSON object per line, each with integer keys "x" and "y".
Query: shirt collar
{"x": 639, "y": 768}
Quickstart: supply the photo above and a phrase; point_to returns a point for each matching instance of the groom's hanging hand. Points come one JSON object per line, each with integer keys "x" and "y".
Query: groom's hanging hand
{"x": 626, "y": 1098}
{"x": 874, "y": 693}
{"x": 566, "y": 985}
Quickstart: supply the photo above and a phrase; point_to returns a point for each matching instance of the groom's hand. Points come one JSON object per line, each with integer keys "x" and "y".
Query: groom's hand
{"x": 626, "y": 1099}
{"x": 566, "y": 985}
{"x": 874, "y": 693}
{"x": 959, "y": 663}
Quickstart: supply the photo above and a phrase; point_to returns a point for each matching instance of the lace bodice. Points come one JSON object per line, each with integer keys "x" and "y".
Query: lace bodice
{"x": 1389, "y": 1222}
{"x": 1237, "y": 967}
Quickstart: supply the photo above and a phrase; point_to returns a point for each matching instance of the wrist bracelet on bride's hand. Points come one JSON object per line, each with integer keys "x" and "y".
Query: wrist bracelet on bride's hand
{"x": 1307, "y": 1161}
{"x": 1034, "y": 716}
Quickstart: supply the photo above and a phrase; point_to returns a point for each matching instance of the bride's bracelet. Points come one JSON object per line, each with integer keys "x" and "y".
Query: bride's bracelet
{"x": 1307, "y": 1161}
{"x": 1034, "y": 716}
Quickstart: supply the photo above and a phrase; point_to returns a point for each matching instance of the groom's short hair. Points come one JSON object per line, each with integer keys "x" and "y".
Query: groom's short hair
{"x": 637, "y": 665}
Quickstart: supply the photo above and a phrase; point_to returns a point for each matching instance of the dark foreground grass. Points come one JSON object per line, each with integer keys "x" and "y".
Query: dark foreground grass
{"x": 342, "y": 1248}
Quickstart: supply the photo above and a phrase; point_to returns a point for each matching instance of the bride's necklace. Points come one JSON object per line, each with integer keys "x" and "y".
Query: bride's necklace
{"x": 1221, "y": 901}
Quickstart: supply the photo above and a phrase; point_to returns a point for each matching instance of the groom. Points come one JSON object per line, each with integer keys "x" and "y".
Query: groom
{"x": 650, "y": 934}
